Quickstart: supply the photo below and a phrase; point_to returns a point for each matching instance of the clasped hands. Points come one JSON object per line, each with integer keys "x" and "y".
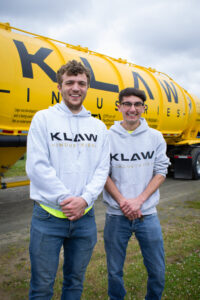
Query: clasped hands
{"x": 131, "y": 207}
{"x": 73, "y": 207}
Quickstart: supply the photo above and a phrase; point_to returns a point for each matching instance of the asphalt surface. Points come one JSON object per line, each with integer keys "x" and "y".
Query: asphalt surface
{"x": 16, "y": 207}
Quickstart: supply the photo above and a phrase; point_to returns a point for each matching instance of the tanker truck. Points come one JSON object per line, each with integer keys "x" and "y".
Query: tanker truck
{"x": 28, "y": 83}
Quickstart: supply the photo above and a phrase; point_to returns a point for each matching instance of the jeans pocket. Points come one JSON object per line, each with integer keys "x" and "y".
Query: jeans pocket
{"x": 40, "y": 213}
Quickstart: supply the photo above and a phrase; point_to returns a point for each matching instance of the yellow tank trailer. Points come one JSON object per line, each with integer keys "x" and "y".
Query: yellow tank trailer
{"x": 28, "y": 83}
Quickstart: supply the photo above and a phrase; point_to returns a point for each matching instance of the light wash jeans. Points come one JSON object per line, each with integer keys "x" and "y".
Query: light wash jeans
{"x": 117, "y": 232}
{"x": 48, "y": 235}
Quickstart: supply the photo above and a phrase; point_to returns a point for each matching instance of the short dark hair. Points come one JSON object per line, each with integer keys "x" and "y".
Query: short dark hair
{"x": 72, "y": 67}
{"x": 132, "y": 92}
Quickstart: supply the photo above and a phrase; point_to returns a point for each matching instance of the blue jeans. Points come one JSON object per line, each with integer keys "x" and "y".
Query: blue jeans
{"x": 117, "y": 232}
{"x": 48, "y": 235}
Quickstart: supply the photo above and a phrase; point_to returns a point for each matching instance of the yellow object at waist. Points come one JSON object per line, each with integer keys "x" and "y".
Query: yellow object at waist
{"x": 58, "y": 213}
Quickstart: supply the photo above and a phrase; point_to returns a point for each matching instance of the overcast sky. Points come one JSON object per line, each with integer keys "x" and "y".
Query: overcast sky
{"x": 162, "y": 34}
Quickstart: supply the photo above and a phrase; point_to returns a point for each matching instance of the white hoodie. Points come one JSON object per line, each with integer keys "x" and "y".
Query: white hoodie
{"x": 67, "y": 155}
{"x": 135, "y": 158}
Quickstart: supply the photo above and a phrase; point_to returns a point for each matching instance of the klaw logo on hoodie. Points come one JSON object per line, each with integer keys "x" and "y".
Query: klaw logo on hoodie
{"x": 62, "y": 136}
{"x": 133, "y": 157}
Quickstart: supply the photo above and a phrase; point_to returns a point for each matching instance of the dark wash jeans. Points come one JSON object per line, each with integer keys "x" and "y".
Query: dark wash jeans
{"x": 117, "y": 232}
{"x": 48, "y": 235}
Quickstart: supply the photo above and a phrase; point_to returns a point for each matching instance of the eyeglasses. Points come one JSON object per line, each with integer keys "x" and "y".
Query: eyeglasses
{"x": 129, "y": 104}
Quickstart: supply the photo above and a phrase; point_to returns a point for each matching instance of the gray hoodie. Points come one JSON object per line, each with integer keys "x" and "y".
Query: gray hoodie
{"x": 67, "y": 155}
{"x": 135, "y": 158}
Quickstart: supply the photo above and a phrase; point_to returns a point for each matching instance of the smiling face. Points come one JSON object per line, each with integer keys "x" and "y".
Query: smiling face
{"x": 131, "y": 108}
{"x": 73, "y": 90}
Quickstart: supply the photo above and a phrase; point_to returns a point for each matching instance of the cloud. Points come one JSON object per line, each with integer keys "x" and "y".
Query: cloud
{"x": 45, "y": 10}
{"x": 41, "y": 16}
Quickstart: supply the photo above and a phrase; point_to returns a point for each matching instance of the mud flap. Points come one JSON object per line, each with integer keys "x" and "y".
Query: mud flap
{"x": 183, "y": 167}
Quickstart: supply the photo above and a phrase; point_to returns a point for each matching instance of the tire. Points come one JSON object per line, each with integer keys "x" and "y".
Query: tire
{"x": 196, "y": 163}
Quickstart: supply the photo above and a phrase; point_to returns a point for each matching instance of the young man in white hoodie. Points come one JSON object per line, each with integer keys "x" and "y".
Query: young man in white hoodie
{"x": 138, "y": 166}
{"x": 67, "y": 163}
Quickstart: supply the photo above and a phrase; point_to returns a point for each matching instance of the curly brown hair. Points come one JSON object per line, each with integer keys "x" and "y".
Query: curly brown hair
{"x": 72, "y": 67}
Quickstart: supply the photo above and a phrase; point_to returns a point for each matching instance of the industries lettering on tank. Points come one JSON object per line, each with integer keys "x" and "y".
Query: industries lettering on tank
{"x": 27, "y": 61}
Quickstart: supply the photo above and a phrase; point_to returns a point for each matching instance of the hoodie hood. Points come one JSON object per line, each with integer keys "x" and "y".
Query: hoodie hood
{"x": 119, "y": 129}
{"x": 63, "y": 109}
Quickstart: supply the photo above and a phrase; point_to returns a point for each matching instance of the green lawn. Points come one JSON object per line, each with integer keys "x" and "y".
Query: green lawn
{"x": 18, "y": 169}
{"x": 182, "y": 247}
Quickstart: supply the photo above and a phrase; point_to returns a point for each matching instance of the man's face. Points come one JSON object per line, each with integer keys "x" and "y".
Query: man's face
{"x": 73, "y": 91}
{"x": 131, "y": 108}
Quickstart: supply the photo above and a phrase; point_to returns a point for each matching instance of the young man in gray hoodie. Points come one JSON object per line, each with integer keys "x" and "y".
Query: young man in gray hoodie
{"x": 138, "y": 166}
{"x": 67, "y": 163}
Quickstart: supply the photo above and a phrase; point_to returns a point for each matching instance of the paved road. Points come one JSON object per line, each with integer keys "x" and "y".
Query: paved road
{"x": 16, "y": 208}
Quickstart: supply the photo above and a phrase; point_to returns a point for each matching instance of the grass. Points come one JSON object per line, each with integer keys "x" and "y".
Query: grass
{"x": 18, "y": 169}
{"x": 193, "y": 204}
{"x": 182, "y": 247}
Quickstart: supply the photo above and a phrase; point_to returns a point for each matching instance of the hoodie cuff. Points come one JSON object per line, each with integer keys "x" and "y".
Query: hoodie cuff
{"x": 163, "y": 173}
{"x": 63, "y": 197}
{"x": 87, "y": 198}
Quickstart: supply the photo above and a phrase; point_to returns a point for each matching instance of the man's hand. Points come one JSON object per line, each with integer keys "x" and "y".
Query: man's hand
{"x": 73, "y": 207}
{"x": 131, "y": 207}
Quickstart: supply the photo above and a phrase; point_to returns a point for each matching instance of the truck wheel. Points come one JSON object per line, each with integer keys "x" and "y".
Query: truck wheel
{"x": 196, "y": 163}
